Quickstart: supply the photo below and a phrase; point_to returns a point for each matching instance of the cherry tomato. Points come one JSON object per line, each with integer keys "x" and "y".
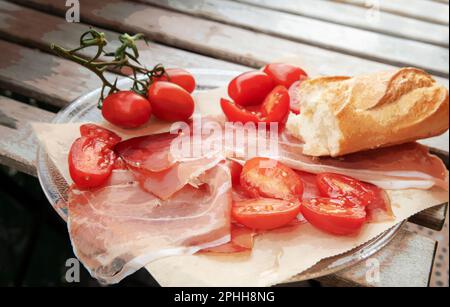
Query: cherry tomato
{"x": 265, "y": 213}
{"x": 170, "y": 102}
{"x": 335, "y": 185}
{"x": 235, "y": 170}
{"x": 338, "y": 216}
{"x": 91, "y": 162}
{"x": 284, "y": 74}
{"x": 238, "y": 114}
{"x": 263, "y": 177}
{"x": 180, "y": 77}
{"x": 250, "y": 88}
{"x": 126, "y": 109}
{"x": 95, "y": 131}
{"x": 275, "y": 107}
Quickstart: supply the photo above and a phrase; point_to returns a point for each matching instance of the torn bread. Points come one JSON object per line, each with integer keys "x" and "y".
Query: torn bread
{"x": 341, "y": 115}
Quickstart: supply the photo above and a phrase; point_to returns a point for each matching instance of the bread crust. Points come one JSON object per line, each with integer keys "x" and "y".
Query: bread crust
{"x": 378, "y": 110}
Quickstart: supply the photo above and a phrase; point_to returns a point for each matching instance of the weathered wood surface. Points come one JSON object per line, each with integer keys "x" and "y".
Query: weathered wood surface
{"x": 399, "y": 265}
{"x": 42, "y": 76}
{"x": 340, "y": 38}
{"x": 17, "y": 143}
{"x": 211, "y": 38}
{"x": 430, "y": 11}
{"x": 361, "y": 18}
{"x": 44, "y": 29}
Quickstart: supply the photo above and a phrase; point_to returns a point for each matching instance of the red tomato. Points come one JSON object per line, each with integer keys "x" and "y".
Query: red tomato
{"x": 91, "y": 162}
{"x": 180, "y": 77}
{"x": 335, "y": 185}
{"x": 284, "y": 74}
{"x": 265, "y": 213}
{"x": 238, "y": 114}
{"x": 235, "y": 170}
{"x": 126, "y": 109}
{"x": 170, "y": 102}
{"x": 250, "y": 88}
{"x": 263, "y": 177}
{"x": 95, "y": 131}
{"x": 337, "y": 216}
{"x": 275, "y": 107}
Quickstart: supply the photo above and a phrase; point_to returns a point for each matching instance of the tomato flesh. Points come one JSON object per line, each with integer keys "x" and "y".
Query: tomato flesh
{"x": 263, "y": 177}
{"x": 235, "y": 170}
{"x": 126, "y": 109}
{"x": 250, "y": 88}
{"x": 91, "y": 162}
{"x": 238, "y": 114}
{"x": 179, "y": 77}
{"x": 265, "y": 213}
{"x": 338, "y": 216}
{"x": 284, "y": 74}
{"x": 95, "y": 131}
{"x": 275, "y": 107}
{"x": 170, "y": 102}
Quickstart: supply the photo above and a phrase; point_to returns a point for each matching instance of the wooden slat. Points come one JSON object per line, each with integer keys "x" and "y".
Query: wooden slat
{"x": 406, "y": 262}
{"x": 44, "y": 29}
{"x": 380, "y": 47}
{"x": 42, "y": 76}
{"x": 424, "y": 10}
{"x": 17, "y": 143}
{"x": 433, "y": 218}
{"x": 211, "y": 38}
{"x": 358, "y": 17}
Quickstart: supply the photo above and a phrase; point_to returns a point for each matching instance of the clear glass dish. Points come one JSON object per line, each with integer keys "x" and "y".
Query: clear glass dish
{"x": 85, "y": 109}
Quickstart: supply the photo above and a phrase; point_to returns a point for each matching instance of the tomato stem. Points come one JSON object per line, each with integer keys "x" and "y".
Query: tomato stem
{"x": 123, "y": 56}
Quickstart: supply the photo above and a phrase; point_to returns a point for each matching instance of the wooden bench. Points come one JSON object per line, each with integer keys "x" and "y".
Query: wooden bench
{"x": 232, "y": 35}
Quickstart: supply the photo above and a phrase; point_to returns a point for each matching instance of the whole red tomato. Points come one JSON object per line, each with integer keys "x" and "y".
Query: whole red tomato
{"x": 180, "y": 77}
{"x": 170, "y": 102}
{"x": 126, "y": 109}
{"x": 250, "y": 88}
{"x": 284, "y": 74}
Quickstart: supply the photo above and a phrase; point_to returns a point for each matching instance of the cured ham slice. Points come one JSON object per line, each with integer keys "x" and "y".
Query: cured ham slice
{"x": 117, "y": 229}
{"x": 399, "y": 167}
{"x": 405, "y": 166}
{"x": 241, "y": 241}
{"x": 158, "y": 170}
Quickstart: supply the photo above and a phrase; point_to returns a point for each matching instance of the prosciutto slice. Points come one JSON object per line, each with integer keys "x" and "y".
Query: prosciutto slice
{"x": 117, "y": 229}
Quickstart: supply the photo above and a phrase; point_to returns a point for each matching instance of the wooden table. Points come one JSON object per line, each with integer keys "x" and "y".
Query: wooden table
{"x": 330, "y": 37}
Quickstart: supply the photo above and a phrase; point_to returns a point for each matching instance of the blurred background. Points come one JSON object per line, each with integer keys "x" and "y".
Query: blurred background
{"x": 323, "y": 36}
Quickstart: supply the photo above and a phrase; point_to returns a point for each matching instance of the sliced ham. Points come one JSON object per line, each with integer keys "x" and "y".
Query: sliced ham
{"x": 117, "y": 229}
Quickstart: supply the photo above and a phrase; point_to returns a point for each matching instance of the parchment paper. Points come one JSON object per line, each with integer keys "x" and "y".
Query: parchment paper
{"x": 277, "y": 255}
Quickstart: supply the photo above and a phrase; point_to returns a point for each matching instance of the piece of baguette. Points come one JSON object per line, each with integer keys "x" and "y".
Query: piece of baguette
{"x": 341, "y": 115}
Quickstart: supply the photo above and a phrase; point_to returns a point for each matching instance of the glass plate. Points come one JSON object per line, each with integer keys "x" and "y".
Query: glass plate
{"x": 85, "y": 109}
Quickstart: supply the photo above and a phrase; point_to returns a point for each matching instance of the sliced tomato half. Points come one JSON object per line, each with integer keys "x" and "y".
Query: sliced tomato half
{"x": 95, "y": 131}
{"x": 275, "y": 108}
{"x": 265, "y": 213}
{"x": 263, "y": 177}
{"x": 374, "y": 199}
{"x": 338, "y": 216}
{"x": 91, "y": 162}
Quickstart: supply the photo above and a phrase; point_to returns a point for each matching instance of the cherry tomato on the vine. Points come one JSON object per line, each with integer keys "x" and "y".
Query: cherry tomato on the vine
{"x": 180, "y": 77}
{"x": 126, "y": 109}
{"x": 170, "y": 102}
